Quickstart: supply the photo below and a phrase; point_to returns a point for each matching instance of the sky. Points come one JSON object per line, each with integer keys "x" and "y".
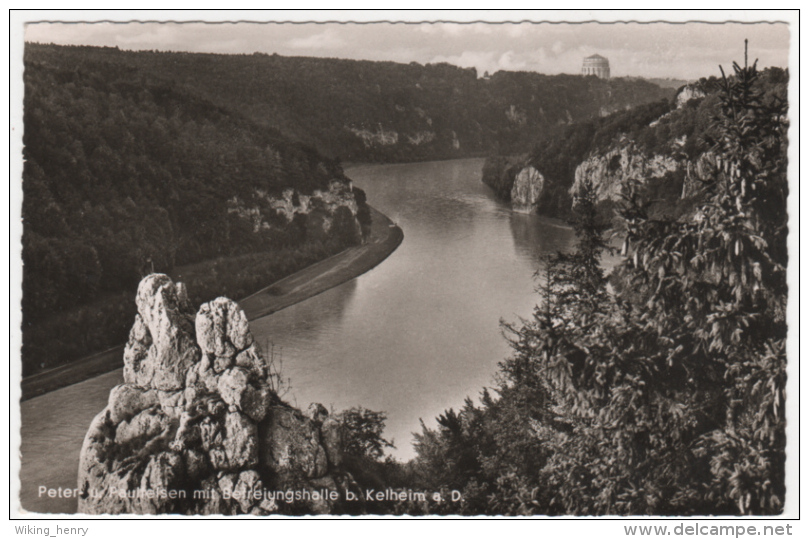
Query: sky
{"x": 679, "y": 51}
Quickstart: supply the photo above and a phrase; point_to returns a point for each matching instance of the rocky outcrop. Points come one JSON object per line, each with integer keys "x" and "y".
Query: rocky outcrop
{"x": 687, "y": 93}
{"x": 196, "y": 427}
{"x": 336, "y": 196}
{"x": 527, "y": 189}
{"x": 516, "y": 115}
{"x": 326, "y": 203}
{"x": 608, "y": 171}
{"x": 421, "y": 137}
{"x": 380, "y": 137}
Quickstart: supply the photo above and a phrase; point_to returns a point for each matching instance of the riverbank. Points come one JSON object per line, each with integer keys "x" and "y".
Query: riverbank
{"x": 384, "y": 238}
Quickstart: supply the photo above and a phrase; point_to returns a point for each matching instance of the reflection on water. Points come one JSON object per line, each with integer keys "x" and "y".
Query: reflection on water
{"x": 536, "y": 237}
{"x": 412, "y": 337}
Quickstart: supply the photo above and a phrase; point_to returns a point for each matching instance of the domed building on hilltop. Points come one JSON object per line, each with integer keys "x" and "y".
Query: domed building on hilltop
{"x": 596, "y": 65}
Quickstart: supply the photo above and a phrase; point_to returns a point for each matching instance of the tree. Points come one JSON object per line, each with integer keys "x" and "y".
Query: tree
{"x": 363, "y": 433}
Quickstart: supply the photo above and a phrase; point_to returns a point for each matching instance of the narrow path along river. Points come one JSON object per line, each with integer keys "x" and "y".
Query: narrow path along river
{"x": 411, "y": 337}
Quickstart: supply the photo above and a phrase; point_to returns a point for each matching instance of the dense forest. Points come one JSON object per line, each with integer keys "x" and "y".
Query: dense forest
{"x": 363, "y": 111}
{"x": 126, "y": 174}
{"x": 662, "y": 394}
{"x": 673, "y": 129}
{"x": 145, "y": 161}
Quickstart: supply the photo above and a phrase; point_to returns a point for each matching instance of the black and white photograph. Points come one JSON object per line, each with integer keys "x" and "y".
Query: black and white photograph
{"x": 358, "y": 264}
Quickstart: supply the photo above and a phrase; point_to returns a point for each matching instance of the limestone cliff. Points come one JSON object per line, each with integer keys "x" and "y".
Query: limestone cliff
{"x": 672, "y": 175}
{"x": 687, "y": 93}
{"x": 608, "y": 171}
{"x": 197, "y": 427}
{"x": 323, "y": 206}
{"x": 337, "y": 195}
{"x": 379, "y": 137}
{"x": 526, "y": 190}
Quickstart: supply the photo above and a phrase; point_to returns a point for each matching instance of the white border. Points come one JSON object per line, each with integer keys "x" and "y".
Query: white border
{"x": 590, "y": 526}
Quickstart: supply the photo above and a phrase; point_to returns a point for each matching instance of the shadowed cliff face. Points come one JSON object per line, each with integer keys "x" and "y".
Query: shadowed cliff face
{"x": 197, "y": 427}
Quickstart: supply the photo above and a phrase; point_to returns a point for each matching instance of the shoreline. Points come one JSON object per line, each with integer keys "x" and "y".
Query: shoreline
{"x": 384, "y": 239}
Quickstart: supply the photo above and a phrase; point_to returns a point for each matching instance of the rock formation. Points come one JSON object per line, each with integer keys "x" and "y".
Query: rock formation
{"x": 260, "y": 208}
{"x": 608, "y": 171}
{"x": 196, "y": 427}
{"x": 526, "y": 190}
{"x": 380, "y": 137}
{"x": 687, "y": 93}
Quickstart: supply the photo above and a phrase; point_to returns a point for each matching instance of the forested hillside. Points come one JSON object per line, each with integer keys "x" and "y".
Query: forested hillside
{"x": 126, "y": 174}
{"x": 663, "y": 395}
{"x": 377, "y": 111}
{"x": 144, "y": 161}
{"x": 662, "y": 144}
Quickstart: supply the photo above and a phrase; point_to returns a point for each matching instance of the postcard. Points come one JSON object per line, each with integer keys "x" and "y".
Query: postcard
{"x": 354, "y": 264}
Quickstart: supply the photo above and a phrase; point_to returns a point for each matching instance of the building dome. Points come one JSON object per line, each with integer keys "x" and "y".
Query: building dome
{"x": 596, "y": 65}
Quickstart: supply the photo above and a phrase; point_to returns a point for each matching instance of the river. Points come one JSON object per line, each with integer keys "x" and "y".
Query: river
{"x": 412, "y": 337}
